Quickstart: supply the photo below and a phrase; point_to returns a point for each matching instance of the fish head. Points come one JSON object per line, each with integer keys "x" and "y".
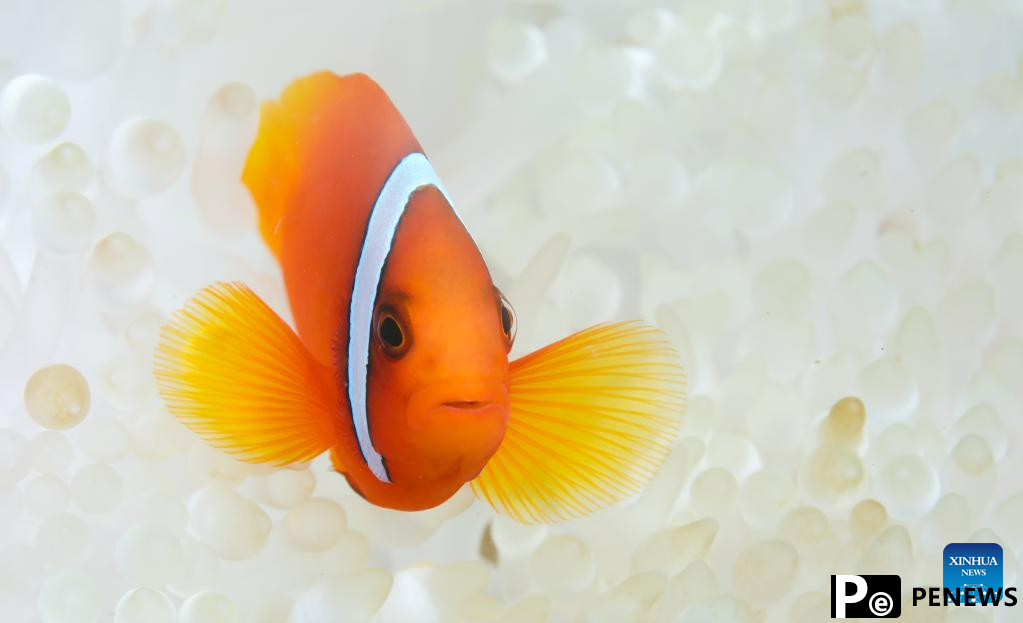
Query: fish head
{"x": 437, "y": 384}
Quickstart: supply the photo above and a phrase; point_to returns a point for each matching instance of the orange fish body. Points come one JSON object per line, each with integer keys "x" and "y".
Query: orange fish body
{"x": 400, "y": 363}
{"x": 435, "y": 281}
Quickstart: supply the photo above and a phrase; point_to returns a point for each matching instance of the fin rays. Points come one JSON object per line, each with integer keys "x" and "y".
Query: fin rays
{"x": 592, "y": 418}
{"x": 237, "y": 375}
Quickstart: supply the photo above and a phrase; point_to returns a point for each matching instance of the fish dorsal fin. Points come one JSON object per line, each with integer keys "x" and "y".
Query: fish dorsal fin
{"x": 235, "y": 373}
{"x": 592, "y": 418}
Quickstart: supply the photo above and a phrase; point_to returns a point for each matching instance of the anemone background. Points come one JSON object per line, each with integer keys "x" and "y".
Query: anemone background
{"x": 821, "y": 202}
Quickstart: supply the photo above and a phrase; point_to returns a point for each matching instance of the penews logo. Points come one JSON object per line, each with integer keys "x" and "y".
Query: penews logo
{"x": 975, "y": 569}
{"x": 866, "y": 596}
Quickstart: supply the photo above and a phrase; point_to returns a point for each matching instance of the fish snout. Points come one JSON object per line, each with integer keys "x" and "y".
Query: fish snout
{"x": 456, "y": 426}
{"x": 459, "y": 399}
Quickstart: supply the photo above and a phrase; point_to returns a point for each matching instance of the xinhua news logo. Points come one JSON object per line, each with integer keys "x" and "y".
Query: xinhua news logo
{"x": 976, "y": 566}
{"x": 866, "y": 596}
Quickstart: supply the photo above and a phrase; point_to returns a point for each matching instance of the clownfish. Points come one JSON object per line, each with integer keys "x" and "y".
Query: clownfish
{"x": 398, "y": 364}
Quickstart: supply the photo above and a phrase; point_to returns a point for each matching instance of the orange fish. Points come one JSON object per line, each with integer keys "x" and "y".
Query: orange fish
{"x": 398, "y": 364}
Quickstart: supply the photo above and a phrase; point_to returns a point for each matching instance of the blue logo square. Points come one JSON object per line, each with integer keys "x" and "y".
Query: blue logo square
{"x": 977, "y": 566}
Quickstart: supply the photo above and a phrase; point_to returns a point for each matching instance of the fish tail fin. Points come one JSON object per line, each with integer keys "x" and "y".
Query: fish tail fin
{"x": 273, "y": 165}
{"x": 592, "y": 418}
{"x": 235, "y": 373}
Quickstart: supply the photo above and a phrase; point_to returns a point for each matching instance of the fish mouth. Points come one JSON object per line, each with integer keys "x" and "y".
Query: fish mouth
{"x": 467, "y": 405}
{"x": 474, "y": 400}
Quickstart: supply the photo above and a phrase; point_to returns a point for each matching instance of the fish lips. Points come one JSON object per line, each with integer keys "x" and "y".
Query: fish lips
{"x": 451, "y": 401}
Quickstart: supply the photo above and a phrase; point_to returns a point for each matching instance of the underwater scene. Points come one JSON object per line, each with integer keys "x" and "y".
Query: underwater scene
{"x": 511, "y": 311}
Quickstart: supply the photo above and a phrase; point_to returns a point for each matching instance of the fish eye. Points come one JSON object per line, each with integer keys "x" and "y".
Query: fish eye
{"x": 508, "y": 326}
{"x": 391, "y": 333}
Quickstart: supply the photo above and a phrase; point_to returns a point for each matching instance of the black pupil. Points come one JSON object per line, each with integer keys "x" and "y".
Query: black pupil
{"x": 506, "y": 319}
{"x": 390, "y": 332}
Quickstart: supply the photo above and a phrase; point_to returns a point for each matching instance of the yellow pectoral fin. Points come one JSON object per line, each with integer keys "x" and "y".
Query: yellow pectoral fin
{"x": 237, "y": 375}
{"x": 592, "y": 418}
